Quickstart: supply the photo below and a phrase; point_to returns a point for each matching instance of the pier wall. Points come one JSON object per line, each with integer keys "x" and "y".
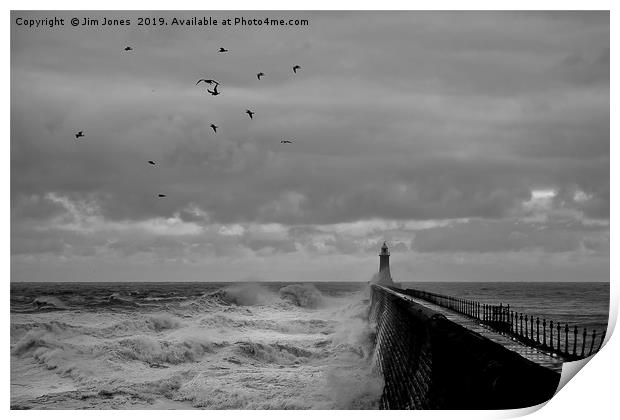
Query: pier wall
{"x": 430, "y": 362}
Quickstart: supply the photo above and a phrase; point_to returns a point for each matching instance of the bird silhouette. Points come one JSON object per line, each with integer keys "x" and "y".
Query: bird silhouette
{"x": 151, "y": 162}
{"x": 259, "y": 75}
{"x": 128, "y": 49}
{"x": 214, "y": 92}
{"x": 285, "y": 141}
{"x": 214, "y": 127}
{"x": 250, "y": 113}
{"x": 295, "y": 68}
{"x": 209, "y": 81}
{"x": 161, "y": 195}
{"x": 222, "y": 49}
{"x": 79, "y": 134}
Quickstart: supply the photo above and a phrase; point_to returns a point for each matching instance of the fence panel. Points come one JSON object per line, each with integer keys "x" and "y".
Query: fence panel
{"x": 521, "y": 326}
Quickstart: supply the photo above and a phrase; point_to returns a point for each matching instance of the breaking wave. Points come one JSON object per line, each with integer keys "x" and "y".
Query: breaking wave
{"x": 303, "y": 295}
{"x": 244, "y": 295}
{"x": 150, "y": 350}
{"x": 274, "y": 353}
{"x": 48, "y": 303}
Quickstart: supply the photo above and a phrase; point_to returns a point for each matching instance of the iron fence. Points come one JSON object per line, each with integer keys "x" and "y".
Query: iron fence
{"x": 571, "y": 343}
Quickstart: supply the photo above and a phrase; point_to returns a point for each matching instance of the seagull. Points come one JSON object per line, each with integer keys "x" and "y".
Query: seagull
{"x": 151, "y": 162}
{"x": 128, "y": 49}
{"x": 209, "y": 81}
{"x": 259, "y": 75}
{"x": 161, "y": 195}
{"x": 285, "y": 141}
{"x": 79, "y": 134}
{"x": 214, "y": 127}
{"x": 295, "y": 68}
{"x": 214, "y": 92}
{"x": 222, "y": 49}
{"x": 250, "y": 113}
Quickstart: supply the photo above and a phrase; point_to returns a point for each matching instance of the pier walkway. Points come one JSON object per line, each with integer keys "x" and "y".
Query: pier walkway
{"x": 535, "y": 355}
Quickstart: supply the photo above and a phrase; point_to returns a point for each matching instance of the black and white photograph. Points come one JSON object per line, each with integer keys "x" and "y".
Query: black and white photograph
{"x": 305, "y": 209}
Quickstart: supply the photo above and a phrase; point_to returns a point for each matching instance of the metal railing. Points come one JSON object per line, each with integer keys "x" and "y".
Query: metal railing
{"x": 571, "y": 343}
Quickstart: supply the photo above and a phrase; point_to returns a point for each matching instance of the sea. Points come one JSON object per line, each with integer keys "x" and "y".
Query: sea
{"x": 226, "y": 345}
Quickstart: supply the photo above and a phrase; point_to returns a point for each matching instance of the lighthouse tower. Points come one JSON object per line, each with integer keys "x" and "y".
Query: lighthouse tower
{"x": 385, "y": 278}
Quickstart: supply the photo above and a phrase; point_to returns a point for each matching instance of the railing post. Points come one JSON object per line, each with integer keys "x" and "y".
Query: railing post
{"x": 559, "y": 330}
{"x": 526, "y": 334}
{"x": 592, "y": 343}
{"x": 532, "y": 328}
{"x": 601, "y": 342}
{"x": 507, "y": 313}
{"x": 575, "y": 341}
{"x": 538, "y": 330}
{"x": 551, "y": 334}
{"x": 521, "y": 324}
{"x": 583, "y": 342}
{"x": 566, "y": 338}
{"x": 544, "y": 332}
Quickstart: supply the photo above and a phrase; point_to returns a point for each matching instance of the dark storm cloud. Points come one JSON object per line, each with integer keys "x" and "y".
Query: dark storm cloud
{"x": 395, "y": 116}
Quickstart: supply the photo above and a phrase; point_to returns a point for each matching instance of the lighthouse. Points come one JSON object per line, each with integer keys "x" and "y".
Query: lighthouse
{"x": 384, "y": 260}
{"x": 385, "y": 278}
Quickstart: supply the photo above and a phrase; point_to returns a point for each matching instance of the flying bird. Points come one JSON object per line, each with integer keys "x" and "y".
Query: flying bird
{"x": 222, "y": 49}
{"x": 250, "y": 113}
{"x": 259, "y": 75}
{"x": 214, "y": 92}
{"x": 151, "y": 162}
{"x": 214, "y": 127}
{"x": 161, "y": 195}
{"x": 79, "y": 134}
{"x": 295, "y": 68}
{"x": 285, "y": 141}
{"x": 209, "y": 81}
{"x": 128, "y": 49}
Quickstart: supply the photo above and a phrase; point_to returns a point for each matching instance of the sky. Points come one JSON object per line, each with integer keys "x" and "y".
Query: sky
{"x": 476, "y": 144}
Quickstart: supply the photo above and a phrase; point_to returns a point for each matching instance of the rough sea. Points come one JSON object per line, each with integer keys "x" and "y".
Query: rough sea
{"x": 227, "y": 345}
{"x": 191, "y": 345}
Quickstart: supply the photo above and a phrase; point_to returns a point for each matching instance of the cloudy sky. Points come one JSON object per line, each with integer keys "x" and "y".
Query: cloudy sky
{"x": 475, "y": 143}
